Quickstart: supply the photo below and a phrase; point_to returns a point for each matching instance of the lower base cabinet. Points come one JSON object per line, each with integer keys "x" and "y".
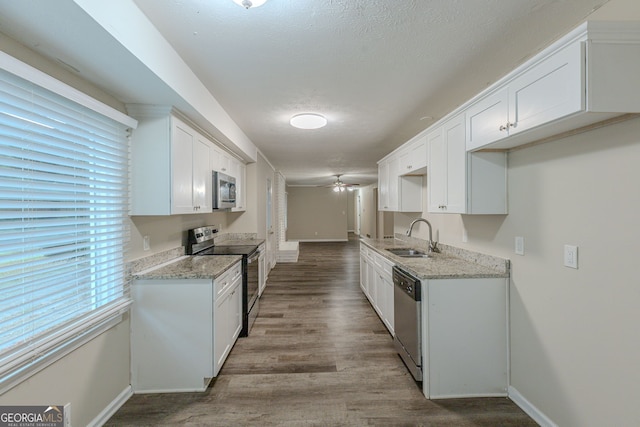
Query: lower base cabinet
{"x": 183, "y": 330}
{"x": 465, "y": 343}
{"x": 376, "y": 281}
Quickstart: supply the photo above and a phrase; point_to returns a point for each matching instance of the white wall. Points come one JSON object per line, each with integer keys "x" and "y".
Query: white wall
{"x": 316, "y": 214}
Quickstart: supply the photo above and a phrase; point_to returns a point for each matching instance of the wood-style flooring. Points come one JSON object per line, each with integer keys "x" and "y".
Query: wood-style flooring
{"x": 318, "y": 355}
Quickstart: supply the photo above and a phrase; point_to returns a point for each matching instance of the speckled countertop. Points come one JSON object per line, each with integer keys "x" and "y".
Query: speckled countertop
{"x": 452, "y": 263}
{"x": 239, "y": 242}
{"x": 190, "y": 267}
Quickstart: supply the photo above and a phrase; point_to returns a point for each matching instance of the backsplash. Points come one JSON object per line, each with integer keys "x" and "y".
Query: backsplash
{"x": 144, "y": 263}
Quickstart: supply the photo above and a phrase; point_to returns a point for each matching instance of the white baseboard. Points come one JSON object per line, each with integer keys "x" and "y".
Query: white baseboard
{"x": 112, "y": 408}
{"x": 537, "y": 415}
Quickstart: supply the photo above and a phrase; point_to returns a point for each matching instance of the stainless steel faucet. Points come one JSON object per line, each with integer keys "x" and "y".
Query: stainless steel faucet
{"x": 433, "y": 246}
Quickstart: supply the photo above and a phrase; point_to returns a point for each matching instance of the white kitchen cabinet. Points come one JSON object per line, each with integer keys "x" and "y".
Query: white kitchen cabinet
{"x": 465, "y": 337}
{"x": 170, "y": 165}
{"x": 461, "y": 182}
{"x": 227, "y": 318}
{"x": 262, "y": 271}
{"x": 398, "y": 193}
{"x": 384, "y": 290}
{"x": 221, "y": 161}
{"x": 364, "y": 269}
{"x": 386, "y": 199}
{"x": 182, "y": 330}
{"x": 487, "y": 120}
{"x": 413, "y": 156}
{"x": 239, "y": 172}
{"x": 588, "y": 76}
{"x": 376, "y": 283}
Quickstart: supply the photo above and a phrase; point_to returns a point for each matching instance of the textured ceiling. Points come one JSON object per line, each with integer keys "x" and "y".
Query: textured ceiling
{"x": 380, "y": 70}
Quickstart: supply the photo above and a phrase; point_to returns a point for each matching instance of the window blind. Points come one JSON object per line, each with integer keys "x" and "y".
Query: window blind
{"x": 63, "y": 222}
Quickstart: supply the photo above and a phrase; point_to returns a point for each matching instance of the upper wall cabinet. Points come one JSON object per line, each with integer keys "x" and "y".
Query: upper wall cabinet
{"x": 461, "y": 182}
{"x": 170, "y": 165}
{"x": 400, "y": 177}
{"x": 398, "y": 193}
{"x": 412, "y": 156}
{"x": 588, "y": 76}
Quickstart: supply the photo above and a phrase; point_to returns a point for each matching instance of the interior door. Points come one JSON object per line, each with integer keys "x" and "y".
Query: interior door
{"x": 271, "y": 235}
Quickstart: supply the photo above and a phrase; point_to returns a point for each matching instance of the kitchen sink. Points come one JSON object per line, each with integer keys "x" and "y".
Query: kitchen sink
{"x": 408, "y": 253}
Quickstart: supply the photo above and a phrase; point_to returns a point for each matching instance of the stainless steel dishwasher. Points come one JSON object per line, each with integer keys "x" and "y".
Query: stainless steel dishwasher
{"x": 407, "y": 316}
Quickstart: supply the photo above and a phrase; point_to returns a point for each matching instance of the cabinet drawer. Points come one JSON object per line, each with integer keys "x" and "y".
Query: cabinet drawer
{"x": 225, "y": 280}
{"x": 384, "y": 265}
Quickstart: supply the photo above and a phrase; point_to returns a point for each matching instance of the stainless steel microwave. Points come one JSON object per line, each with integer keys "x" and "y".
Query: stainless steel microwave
{"x": 224, "y": 191}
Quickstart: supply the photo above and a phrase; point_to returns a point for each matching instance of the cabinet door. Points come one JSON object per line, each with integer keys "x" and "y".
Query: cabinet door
{"x": 548, "y": 91}
{"x": 182, "y": 143}
{"x": 414, "y": 156}
{"x": 388, "y": 308}
{"x": 220, "y": 160}
{"x": 456, "y": 165}
{"x": 379, "y": 301}
{"x": 202, "y": 176}
{"x": 487, "y": 120}
{"x": 393, "y": 198}
{"x": 239, "y": 172}
{"x": 437, "y": 180}
{"x": 383, "y": 186}
{"x": 262, "y": 279}
{"x": 235, "y": 309}
{"x": 363, "y": 273}
{"x": 371, "y": 281}
{"x": 221, "y": 325}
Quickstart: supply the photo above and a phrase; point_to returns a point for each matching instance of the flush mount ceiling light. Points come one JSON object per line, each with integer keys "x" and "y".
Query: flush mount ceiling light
{"x": 250, "y": 3}
{"x": 308, "y": 121}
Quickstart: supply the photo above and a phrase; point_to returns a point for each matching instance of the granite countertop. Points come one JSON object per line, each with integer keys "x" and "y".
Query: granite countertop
{"x": 190, "y": 267}
{"x": 452, "y": 263}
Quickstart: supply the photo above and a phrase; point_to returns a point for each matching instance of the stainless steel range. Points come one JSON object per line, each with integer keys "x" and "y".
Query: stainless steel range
{"x": 201, "y": 243}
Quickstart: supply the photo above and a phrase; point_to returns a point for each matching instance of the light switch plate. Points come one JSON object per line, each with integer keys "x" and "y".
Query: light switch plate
{"x": 519, "y": 245}
{"x": 571, "y": 256}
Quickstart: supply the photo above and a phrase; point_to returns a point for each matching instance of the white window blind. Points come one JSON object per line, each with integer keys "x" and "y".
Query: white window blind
{"x": 63, "y": 228}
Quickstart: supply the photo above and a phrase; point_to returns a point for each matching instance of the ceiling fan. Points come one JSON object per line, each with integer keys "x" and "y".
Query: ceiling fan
{"x": 339, "y": 185}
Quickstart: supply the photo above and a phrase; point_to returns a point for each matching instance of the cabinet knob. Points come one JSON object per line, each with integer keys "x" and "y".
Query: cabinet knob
{"x": 511, "y": 125}
{"x": 504, "y": 127}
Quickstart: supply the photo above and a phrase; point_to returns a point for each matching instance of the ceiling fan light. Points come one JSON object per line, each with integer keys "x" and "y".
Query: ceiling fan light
{"x": 336, "y": 189}
{"x": 250, "y": 3}
{"x": 308, "y": 121}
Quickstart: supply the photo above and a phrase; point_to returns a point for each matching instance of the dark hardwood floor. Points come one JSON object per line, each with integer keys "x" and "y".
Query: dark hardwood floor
{"x": 318, "y": 355}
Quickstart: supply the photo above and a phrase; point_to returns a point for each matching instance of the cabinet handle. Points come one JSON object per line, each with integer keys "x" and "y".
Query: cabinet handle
{"x": 503, "y": 127}
{"x": 409, "y": 167}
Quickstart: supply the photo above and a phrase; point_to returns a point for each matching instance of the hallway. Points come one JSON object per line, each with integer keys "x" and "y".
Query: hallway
{"x": 318, "y": 355}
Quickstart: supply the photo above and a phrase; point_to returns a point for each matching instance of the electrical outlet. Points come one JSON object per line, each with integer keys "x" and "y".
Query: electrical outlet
{"x": 146, "y": 243}
{"x": 571, "y": 256}
{"x": 519, "y": 245}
